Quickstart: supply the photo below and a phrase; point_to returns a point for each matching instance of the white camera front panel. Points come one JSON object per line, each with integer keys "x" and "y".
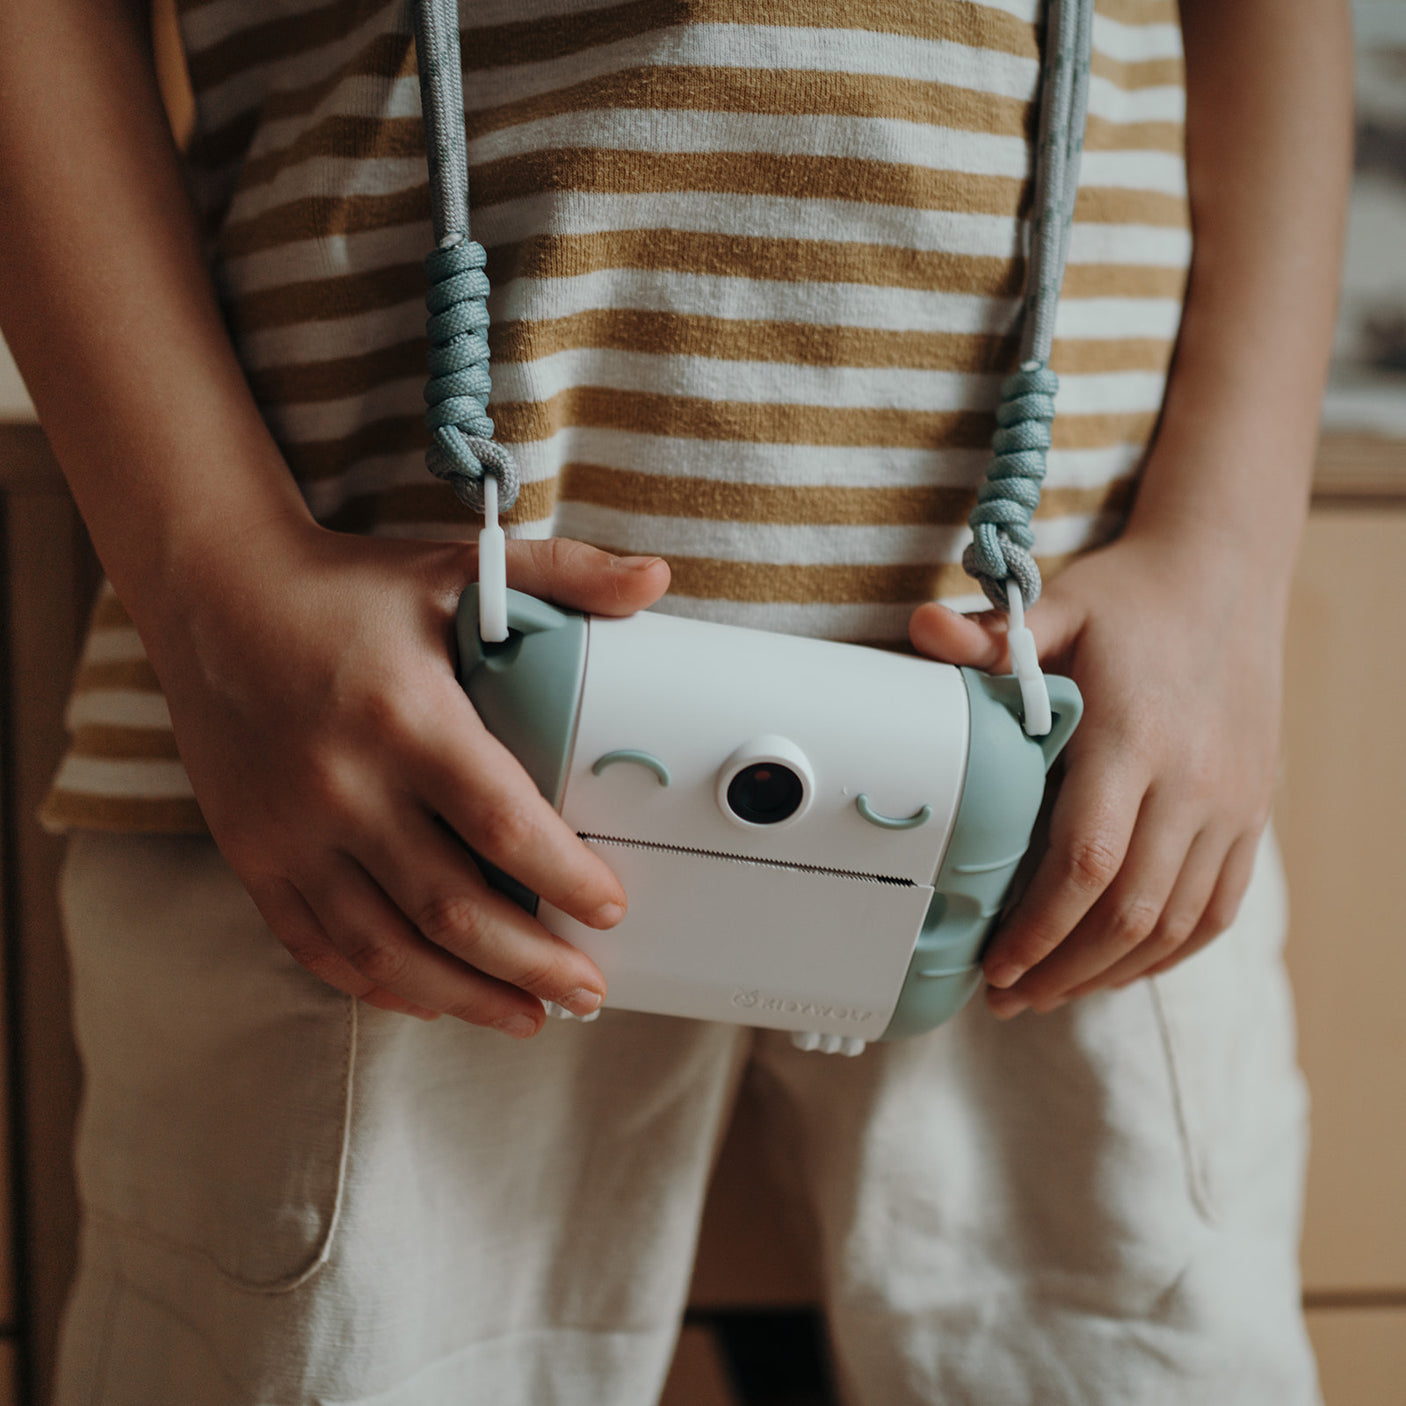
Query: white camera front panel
{"x": 750, "y": 944}
{"x": 689, "y": 694}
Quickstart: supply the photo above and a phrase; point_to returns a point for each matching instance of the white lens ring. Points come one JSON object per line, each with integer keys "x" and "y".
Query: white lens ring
{"x": 780, "y": 751}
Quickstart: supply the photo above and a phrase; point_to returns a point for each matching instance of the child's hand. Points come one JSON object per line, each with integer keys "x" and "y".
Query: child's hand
{"x": 1168, "y": 778}
{"x": 343, "y": 771}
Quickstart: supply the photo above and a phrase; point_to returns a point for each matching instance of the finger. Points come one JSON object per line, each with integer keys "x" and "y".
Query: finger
{"x": 291, "y": 921}
{"x": 972, "y": 641}
{"x": 1090, "y": 827}
{"x": 389, "y": 1001}
{"x": 431, "y": 878}
{"x": 582, "y": 577}
{"x": 470, "y": 779}
{"x": 1122, "y": 919}
{"x": 374, "y": 938}
{"x": 978, "y": 641}
{"x": 1180, "y": 917}
{"x": 1223, "y": 904}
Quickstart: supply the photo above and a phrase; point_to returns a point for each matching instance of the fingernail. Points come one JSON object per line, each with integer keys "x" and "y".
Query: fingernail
{"x": 581, "y": 1001}
{"x": 520, "y": 1027}
{"x": 607, "y": 915}
{"x": 1004, "y": 974}
{"x": 636, "y": 563}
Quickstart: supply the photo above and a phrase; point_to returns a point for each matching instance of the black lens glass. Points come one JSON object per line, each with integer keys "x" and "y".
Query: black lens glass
{"x": 765, "y": 793}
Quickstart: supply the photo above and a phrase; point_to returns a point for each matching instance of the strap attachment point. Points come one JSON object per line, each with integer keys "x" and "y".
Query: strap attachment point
{"x": 1025, "y": 664}
{"x": 492, "y": 570}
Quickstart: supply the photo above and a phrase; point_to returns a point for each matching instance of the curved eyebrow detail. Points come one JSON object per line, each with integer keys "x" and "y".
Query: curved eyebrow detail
{"x": 921, "y": 816}
{"x": 630, "y": 754}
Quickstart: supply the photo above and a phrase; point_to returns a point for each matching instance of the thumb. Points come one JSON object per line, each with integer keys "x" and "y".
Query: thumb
{"x": 978, "y": 641}
{"x": 944, "y": 634}
{"x": 582, "y": 577}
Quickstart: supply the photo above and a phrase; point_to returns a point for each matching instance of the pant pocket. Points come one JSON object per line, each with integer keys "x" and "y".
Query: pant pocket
{"x": 217, "y": 1071}
{"x": 1226, "y": 1018}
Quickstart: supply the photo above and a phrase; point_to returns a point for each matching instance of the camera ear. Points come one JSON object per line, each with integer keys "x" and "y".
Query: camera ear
{"x": 1066, "y": 708}
{"x": 527, "y": 689}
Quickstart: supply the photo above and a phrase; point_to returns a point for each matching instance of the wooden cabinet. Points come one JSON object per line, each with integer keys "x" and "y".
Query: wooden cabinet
{"x": 1342, "y": 822}
{"x": 1361, "y": 1354}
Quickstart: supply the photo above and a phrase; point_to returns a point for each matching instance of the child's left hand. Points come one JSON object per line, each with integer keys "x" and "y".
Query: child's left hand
{"x": 1168, "y": 779}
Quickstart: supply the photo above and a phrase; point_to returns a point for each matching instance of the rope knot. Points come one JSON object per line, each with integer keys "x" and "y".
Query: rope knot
{"x": 462, "y": 448}
{"x": 1000, "y": 522}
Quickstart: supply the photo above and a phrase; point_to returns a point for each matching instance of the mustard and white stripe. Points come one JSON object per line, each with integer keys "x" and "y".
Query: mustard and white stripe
{"x": 756, "y": 274}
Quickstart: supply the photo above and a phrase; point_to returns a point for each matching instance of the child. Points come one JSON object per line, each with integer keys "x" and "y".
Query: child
{"x": 755, "y": 281}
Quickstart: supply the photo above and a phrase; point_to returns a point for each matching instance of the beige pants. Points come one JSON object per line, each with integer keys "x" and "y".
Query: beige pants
{"x": 291, "y": 1198}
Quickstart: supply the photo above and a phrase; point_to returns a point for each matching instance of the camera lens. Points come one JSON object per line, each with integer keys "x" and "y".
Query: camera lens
{"x": 765, "y": 793}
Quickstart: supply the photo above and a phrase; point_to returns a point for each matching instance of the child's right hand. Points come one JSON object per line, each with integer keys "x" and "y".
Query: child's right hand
{"x": 344, "y": 773}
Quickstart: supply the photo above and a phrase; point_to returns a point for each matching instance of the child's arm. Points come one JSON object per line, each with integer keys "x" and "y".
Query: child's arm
{"x": 1175, "y": 632}
{"x": 338, "y": 763}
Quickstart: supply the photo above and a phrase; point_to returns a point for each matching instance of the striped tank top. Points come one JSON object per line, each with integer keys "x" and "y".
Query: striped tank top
{"x": 756, "y": 273}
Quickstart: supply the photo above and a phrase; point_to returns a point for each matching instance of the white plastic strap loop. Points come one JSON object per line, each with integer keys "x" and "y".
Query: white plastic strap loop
{"x": 492, "y": 570}
{"x": 1025, "y": 664}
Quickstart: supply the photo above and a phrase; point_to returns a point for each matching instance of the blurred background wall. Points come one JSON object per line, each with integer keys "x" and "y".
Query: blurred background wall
{"x": 1341, "y": 813}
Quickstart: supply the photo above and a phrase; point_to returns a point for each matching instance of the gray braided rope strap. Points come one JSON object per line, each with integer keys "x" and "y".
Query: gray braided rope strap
{"x": 1002, "y": 539}
{"x": 462, "y": 449}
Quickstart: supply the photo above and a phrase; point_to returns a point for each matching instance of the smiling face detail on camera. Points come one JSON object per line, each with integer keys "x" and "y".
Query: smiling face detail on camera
{"x": 736, "y": 743}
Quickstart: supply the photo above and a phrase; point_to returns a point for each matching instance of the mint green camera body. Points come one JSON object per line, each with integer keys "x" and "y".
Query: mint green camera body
{"x": 859, "y": 913}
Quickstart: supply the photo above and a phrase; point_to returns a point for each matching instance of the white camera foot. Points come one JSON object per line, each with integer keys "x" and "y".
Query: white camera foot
{"x": 828, "y": 1044}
